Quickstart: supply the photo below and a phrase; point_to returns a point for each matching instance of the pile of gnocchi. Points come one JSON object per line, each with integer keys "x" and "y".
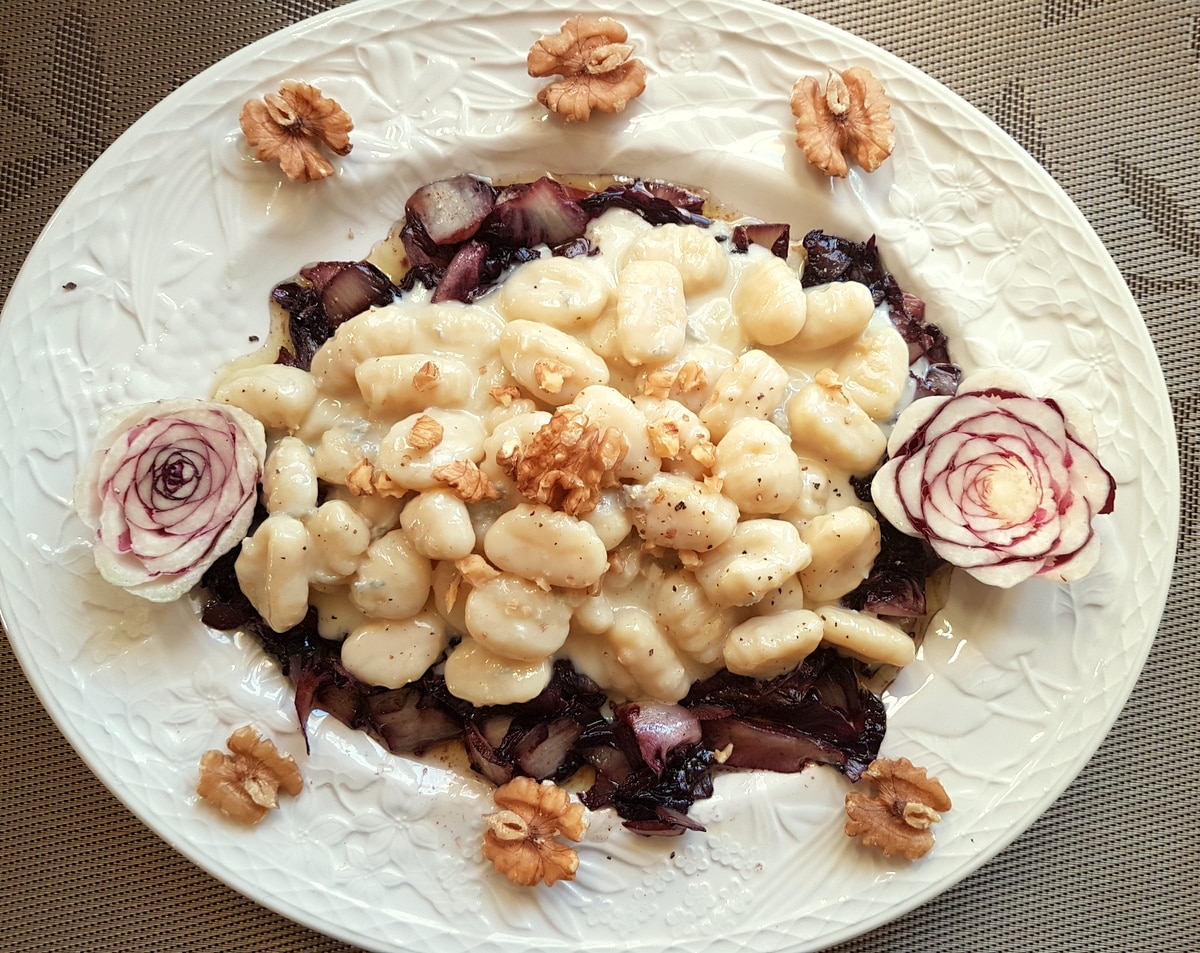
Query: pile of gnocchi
{"x": 724, "y": 536}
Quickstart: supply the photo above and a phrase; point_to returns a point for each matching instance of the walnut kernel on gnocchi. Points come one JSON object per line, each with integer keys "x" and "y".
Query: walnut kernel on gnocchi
{"x": 719, "y": 537}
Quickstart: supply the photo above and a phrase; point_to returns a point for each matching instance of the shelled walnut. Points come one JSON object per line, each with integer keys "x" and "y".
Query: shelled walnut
{"x": 596, "y": 65}
{"x": 567, "y": 463}
{"x": 521, "y": 836}
{"x": 847, "y": 121}
{"x": 898, "y": 817}
{"x": 290, "y": 126}
{"x": 245, "y": 785}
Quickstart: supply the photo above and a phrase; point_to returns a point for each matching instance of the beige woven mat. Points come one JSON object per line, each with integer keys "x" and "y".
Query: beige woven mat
{"x": 1104, "y": 93}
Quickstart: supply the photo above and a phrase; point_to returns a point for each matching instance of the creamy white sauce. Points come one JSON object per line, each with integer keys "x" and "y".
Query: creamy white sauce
{"x": 644, "y": 621}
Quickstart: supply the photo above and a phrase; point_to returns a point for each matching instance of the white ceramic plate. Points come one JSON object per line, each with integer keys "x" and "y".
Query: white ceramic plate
{"x": 156, "y": 269}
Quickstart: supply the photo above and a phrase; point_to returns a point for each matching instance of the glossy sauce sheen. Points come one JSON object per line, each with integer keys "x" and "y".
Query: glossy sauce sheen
{"x": 732, "y": 529}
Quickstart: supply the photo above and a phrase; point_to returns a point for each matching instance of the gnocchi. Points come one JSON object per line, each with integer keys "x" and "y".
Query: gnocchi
{"x": 759, "y": 555}
{"x": 719, "y": 537}
{"x": 769, "y": 645}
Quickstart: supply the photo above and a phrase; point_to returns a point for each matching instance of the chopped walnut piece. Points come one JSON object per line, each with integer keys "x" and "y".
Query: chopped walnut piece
{"x": 469, "y": 483}
{"x": 898, "y": 817}
{"x": 848, "y": 121}
{"x": 521, "y": 837}
{"x": 551, "y": 374}
{"x": 427, "y": 376}
{"x": 476, "y": 570}
{"x": 365, "y": 480}
{"x": 704, "y": 452}
{"x": 567, "y": 462}
{"x": 360, "y": 480}
{"x": 290, "y": 126}
{"x": 504, "y": 396}
{"x": 659, "y": 383}
{"x": 664, "y": 438}
{"x": 692, "y": 377}
{"x": 386, "y": 485}
{"x": 596, "y": 66}
{"x": 426, "y": 433}
{"x": 246, "y": 784}
{"x": 689, "y": 559}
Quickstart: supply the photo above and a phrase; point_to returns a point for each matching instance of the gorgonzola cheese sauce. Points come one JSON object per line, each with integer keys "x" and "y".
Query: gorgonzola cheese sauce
{"x": 726, "y": 540}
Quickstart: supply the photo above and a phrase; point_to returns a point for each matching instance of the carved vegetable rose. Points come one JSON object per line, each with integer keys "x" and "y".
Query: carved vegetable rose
{"x": 169, "y": 487}
{"x": 1001, "y": 483}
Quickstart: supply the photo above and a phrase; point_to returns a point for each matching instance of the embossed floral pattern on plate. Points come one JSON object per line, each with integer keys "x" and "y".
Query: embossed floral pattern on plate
{"x": 1012, "y": 691}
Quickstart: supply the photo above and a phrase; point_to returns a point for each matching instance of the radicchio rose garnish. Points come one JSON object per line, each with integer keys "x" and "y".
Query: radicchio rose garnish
{"x": 1001, "y": 483}
{"x": 169, "y": 488}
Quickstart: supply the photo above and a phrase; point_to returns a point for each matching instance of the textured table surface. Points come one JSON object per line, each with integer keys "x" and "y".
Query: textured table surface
{"x": 1104, "y": 94}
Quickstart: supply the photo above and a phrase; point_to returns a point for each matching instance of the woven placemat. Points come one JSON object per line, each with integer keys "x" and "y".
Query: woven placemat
{"x": 1104, "y": 93}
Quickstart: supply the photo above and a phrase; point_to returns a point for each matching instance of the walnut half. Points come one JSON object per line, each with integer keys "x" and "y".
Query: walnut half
{"x": 289, "y": 127}
{"x": 898, "y": 817}
{"x": 848, "y": 121}
{"x": 567, "y": 462}
{"x": 596, "y": 65}
{"x": 246, "y": 784}
{"x": 521, "y": 836}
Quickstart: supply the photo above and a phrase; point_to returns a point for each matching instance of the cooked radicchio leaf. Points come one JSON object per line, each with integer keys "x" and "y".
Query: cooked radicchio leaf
{"x": 326, "y": 294}
{"x": 817, "y": 713}
{"x": 939, "y": 380}
{"x": 895, "y": 586}
{"x": 777, "y": 238}
{"x": 657, "y": 202}
{"x": 651, "y": 760}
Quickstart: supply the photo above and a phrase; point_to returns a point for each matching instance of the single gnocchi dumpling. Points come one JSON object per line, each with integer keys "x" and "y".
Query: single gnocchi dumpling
{"x": 693, "y": 624}
{"x": 393, "y": 581}
{"x": 816, "y": 490}
{"x": 412, "y": 466}
{"x": 757, "y": 467}
{"x": 481, "y": 677}
{"x": 289, "y": 481}
{"x": 677, "y": 436}
{"x": 272, "y": 570}
{"x": 865, "y": 637}
{"x": 701, "y": 261}
{"x": 834, "y": 313}
{"x": 337, "y": 615}
{"x": 689, "y": 378}
{"x": 647, "y": 655}
{"x": 393, "y": 652}
{"x": 874, "y": 371}
{"x": 753, "y": 387}
{"x": 561, "y": 292}
{"x": 827, "y": 424}
{"x": 651, "y": 314}
{"x": 439, "y": 525}
{"x": 278, "y": 395}
{"x": 553, "y": 366}
{"x": 513, "y": 617}
{"x": 546, "y": 546}
{"x": 770, "y": 645}
{"x": 675, "y": 511}
{"x": 757, "y": 558}
{"x": 844, "y": 545}
{"x": 338, "y": 540}
{"x": 343, "y": 447}
{"x": 769, "y": 301}
{"x": 402, "y": 384}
